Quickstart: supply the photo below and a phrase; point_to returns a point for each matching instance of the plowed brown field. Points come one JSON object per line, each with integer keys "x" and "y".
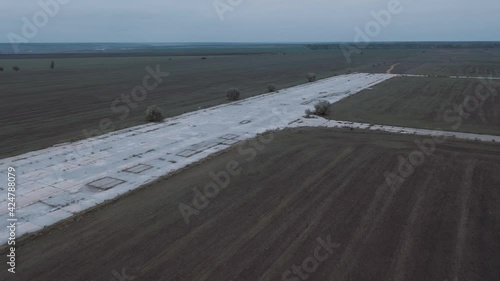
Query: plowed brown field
{"x": 305, "y": 189}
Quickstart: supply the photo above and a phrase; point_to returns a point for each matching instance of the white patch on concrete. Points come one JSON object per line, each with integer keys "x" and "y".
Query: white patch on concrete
{"x": 139, "y": 168}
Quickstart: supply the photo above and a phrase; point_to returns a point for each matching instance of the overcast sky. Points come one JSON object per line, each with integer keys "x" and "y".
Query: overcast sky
{"x": 252, "y": 20}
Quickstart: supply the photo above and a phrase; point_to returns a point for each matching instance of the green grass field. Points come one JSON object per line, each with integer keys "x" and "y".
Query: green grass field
{"x": 464, "y": 105}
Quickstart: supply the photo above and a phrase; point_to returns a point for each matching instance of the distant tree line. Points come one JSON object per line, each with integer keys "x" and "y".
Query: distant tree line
{"x": 410, "y": 45}
{"x": 17, "y": 68}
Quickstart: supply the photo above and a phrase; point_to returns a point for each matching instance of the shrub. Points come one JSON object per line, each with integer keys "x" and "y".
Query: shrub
{"x": 322, "y": 108}
{"x": 271, "y": 88}
{"x": 16, "y": 68}
{"x": 154, "y": 114}
{"x": 233, "y": 94}
{"x": 1, "y": 68}
{"x": 311, "y": 77}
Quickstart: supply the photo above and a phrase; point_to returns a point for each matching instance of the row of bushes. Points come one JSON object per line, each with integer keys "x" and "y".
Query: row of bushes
{"x": 322, "y": 108}
{"x": 15, "y": 68}
{"x": 234, "y": 94}
{"x": 155, "y": 114}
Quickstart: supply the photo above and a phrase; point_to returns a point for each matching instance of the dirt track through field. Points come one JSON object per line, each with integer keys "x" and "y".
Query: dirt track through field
{"x": 307, "y": 184}
{"x": 389, "y": 71}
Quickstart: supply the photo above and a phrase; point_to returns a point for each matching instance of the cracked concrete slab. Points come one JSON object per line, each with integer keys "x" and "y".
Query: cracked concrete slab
{"x": 105, "y": 183}
{"x": 139, "y": 168}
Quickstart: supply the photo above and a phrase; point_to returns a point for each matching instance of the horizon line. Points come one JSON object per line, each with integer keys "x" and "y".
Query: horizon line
{"x": 258, "y": 42}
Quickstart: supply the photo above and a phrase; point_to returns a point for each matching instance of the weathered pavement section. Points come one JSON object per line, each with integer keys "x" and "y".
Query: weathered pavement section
{"x": 58, "y": 182}
{"x": 403, "y": 130}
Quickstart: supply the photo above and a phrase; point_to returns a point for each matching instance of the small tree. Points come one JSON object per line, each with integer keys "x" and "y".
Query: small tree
{"x": 311, "y": 77}
{"x": 16, "y": 68}
{"x": 52, "y": 65}
{"x": 271, "y": 88}
{"x": 233, "y": 94}
{"x": 154, "y": 114}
